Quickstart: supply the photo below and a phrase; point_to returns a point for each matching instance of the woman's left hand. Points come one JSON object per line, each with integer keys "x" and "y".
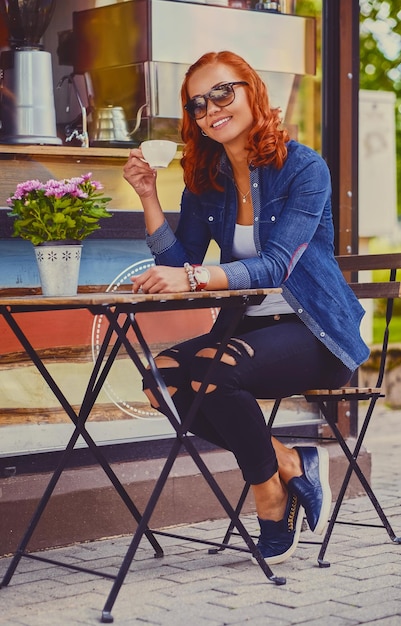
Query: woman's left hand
{"x": 161, "y": 279}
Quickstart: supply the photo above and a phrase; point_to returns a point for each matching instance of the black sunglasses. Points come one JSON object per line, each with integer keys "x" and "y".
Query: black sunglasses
{"x": 222, "y": 95}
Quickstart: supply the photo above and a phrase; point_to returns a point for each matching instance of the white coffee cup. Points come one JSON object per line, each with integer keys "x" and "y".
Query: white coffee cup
{"x": 158, "y": 152}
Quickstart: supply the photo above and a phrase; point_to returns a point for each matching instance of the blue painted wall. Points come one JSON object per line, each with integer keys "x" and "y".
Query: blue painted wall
{"x": 102, "y": 261}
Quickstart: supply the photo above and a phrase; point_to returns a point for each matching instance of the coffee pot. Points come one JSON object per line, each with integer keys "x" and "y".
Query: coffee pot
{"x": 109, "y": 124}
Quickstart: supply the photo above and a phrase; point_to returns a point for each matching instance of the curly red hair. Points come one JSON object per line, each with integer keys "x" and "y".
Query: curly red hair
{"x": 266, "y": 140}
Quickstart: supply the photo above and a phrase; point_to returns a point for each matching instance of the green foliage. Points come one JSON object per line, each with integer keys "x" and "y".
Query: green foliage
{"x": 381, "y": 246}
{"x": 378, "y": 329}
{"x": 69, "y": 209}
{"x": 308, "y": 7}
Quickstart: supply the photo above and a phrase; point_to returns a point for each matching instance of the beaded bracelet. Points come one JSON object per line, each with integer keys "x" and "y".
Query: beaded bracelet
{"x": 190, "y": 273}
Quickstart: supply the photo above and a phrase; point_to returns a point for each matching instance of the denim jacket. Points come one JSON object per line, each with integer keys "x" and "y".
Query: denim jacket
{"x": 293, "y": 234}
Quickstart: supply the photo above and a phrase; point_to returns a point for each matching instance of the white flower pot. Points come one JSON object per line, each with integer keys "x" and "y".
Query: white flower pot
{"x": 58, "y": 264}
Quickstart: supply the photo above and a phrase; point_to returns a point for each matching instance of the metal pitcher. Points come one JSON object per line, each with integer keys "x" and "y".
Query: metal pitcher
{"x": 109, "y": 124}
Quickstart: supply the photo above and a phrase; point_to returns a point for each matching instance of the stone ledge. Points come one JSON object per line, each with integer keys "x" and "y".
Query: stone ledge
{"x": 84, "y": 506}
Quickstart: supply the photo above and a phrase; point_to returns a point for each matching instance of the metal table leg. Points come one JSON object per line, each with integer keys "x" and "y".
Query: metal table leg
{"x": 181, "y": 427}
{"x": 94, "y": 386}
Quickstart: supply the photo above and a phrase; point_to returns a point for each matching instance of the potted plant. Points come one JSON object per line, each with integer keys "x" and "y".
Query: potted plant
{"x": 56, "y": 216}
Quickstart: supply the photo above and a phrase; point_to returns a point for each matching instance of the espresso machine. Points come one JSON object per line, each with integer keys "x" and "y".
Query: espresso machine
{"x": 137, "y": 53}
{"x": 27, "y": 112}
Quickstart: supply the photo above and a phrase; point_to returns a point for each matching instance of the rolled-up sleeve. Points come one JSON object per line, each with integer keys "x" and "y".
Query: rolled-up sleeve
{"x": 161, "y": 240}
{"x": 237, "y": 275}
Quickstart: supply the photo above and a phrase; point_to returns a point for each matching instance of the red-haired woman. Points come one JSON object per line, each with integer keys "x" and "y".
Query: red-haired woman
{"x": 265, "y": 200}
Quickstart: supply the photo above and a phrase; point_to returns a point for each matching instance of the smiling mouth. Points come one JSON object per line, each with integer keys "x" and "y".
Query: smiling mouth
{"x": 220, "y": 122}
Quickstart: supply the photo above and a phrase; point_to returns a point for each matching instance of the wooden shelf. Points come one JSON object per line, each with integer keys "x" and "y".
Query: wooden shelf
{"x": 64, "y": 151}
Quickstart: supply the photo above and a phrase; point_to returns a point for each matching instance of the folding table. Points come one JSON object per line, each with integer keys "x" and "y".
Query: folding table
{"x": 120, "y": 311}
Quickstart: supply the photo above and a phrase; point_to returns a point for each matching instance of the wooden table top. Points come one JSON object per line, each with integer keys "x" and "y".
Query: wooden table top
{"x": 82, "y": 300}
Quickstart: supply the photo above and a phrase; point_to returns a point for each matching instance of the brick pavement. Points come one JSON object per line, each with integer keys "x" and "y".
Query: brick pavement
{"x": 190, "y": 587}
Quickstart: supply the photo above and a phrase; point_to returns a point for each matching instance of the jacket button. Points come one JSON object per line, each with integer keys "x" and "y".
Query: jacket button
{"x": 300, "y": 311}
{"x": 210, "y": 218}
{"x": 273, "y": 219}
{"x": 322, "y": 334}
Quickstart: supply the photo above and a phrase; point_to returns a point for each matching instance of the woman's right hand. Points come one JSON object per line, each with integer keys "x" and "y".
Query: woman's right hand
{"x": 139, "y": 174}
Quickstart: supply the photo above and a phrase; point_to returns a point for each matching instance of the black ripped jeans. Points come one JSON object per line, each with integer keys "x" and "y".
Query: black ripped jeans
{"x": 277, "y": 360}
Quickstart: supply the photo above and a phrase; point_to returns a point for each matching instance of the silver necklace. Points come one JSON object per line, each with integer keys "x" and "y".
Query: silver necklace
{"x": 243, "y": 195}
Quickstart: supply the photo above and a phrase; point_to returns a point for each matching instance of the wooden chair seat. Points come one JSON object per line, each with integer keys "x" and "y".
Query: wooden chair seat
{"x": 347, "y": 392}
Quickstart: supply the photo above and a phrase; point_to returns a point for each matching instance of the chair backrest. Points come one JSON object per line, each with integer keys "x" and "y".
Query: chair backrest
{"x": 367, "y": 288}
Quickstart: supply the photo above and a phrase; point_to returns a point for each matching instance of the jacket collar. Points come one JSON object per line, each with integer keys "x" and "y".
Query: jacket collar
{"x": 225, "y": 168}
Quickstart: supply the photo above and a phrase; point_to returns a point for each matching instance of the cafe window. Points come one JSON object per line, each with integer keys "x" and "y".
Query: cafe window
{"x": 116, "y": 70}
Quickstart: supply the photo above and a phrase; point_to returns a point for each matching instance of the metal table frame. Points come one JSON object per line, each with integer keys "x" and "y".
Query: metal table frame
{"x": 120, "y": 309}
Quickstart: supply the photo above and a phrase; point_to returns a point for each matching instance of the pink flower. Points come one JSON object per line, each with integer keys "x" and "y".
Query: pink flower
{"x": 57, "y": 209}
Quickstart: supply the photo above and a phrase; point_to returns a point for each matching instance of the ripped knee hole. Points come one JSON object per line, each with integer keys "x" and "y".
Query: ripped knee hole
{"x": 164, "y": 361}
{"x": 209, "y": 353}
{"x": 233, "y": 349}
{"x": 152, "y": 400}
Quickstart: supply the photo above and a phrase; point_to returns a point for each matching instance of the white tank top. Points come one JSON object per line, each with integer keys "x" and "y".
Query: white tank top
{"x": 244, "y": 248}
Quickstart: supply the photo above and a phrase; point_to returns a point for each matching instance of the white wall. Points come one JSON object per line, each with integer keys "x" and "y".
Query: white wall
{"x": 377, "y": 164}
